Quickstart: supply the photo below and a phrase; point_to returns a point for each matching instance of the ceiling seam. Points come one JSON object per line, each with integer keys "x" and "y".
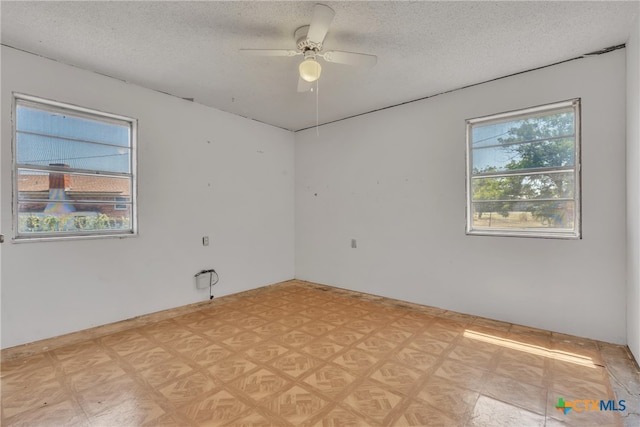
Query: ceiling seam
{"x": 144, "y": 87}
{"x": 594, "y": 53}
{"x": 586, "y": 55}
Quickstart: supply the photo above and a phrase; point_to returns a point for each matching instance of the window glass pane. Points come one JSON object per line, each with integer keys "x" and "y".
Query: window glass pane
{"x": 538, "y": 126}
{"x": 524, "y": 214}
{"x": 70, "y": 186}
{"x": 523, "y": 176}
{"x": 551, "y": 185}
{"x": 92, "y": 191}
{"x": 73, "y": 218}
{"x": 46, "y": 151}
{"x": 527, "y": 155}
{"x": 122, "y": 202}
{"x": 68, "y": 126}
{"x": 50, "y": 202}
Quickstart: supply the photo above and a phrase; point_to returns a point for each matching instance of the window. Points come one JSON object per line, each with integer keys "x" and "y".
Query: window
{"x": 70, "y": 165}
{"x": 121, "y": 207}
{"x": 523, "y": 172}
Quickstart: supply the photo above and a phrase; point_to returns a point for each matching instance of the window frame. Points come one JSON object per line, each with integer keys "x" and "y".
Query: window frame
{"x": 43, "y": 104}
{"x": 540, "y": 232}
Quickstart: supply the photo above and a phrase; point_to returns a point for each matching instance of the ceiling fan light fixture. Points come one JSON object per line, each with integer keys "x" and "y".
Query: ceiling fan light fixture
{"x": 310, "y": 70}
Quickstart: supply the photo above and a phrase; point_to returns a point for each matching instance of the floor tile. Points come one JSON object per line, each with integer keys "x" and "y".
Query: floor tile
{"x": 165, "y": 372}
{"x": 527, "y": 330}
{"x": 298, "y": 353}
{"x": 295, "y": 338}
{"x": 322, "y": 349}
{"x": 171, "y": 333}
{"x": 531, "y": 358}
{"x": 130, "y": 345}
{"x": 337, "y": 318}
{"x": 294, "y": 321}
{"x": 344, "y": 336}
{"x": 376, "y": 346}
{"x": 330, "y": 380}
{"x": 259, "y": 384}
{"x": 578, "y": 387}
{"x": 416, "y": 359}
{"x": 65, "y": 413}
{"x": 131, "y": 412}
{"x": 242, "y": 340}
{"x": 429, "y": 344}
{"x": 355, "y": 360}
{"x": 420, "y": 414}
{"x": 222, "y": 332}
{"x": 26, "y": 378}
{"x": 216, "y": 408}
{"x": 98, "y": 374}
{"x": 466, "y": 376}
{"x": 397, "y": 377}
{"x": 210, "y": 354}
{"x": 393, "y": 334}
{"x": 270, "y": 329}
{"x": 253, "y": 419}
{"x": 295, "y": 404}
{"x": 471, "y": 356}
{"x": 339, "y": 417}
{"x": 273, "y": 314}
{"x": 146, "y": 358}
{"x": 24, "y": 399}
{"x": 295, "y": 364}
{"x": 251, "y": 322}
{"x": 84, "y": 359}
{"x": 265, "y": 352}
{"x": 441, "y": 393}
{"x": 24, "y": 364}
{"x": 316, "y": 328}
{"x": 408, "y": 324}
{"x": 115, "y": 393}
{"x": 372, "y": 401}
{"x": 442, "y": 332}
{"x": 508, "y": 390}
{"x": 490, "y": 412}
{"x": 524, "y": 372}
{"x": 186, "y": 389}
{"x": 189, "y": 344}
{"x": 230, "y": 368}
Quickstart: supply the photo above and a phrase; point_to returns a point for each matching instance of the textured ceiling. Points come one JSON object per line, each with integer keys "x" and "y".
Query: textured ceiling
{"x": 191, "y": 49}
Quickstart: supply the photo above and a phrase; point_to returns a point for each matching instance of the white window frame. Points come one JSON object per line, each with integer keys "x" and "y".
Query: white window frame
{"x": 544, "y": 232}
{"x": 81, "y": 112}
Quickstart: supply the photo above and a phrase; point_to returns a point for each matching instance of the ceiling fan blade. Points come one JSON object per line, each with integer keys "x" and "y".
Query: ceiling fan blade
{"x": 271, "y": 52}
{"x": 303, "y": 85}
{"x": 322, "y": 17}
{"x": 350, "y": 58}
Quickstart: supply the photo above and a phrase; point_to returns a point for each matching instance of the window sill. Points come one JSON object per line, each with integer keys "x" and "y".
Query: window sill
{"x": 72, "y": 237}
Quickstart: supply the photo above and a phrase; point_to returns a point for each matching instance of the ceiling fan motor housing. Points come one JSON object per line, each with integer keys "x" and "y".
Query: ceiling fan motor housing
{"x": 303, "y": 43}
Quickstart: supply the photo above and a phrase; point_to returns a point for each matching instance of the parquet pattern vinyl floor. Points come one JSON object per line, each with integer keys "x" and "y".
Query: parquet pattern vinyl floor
{"x": 302, "y": 354}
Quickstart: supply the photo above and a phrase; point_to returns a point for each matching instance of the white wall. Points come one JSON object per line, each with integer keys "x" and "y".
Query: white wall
{"x": 633, "y": 190}
{"x": 201, "y": 172}
{"x": 395, "y": 181}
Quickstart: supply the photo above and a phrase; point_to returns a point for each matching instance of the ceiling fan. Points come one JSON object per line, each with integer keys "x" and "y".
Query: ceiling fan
{"x": 309, "y": 39}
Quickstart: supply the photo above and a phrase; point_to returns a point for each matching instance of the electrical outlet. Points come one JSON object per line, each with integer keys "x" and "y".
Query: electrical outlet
{"x": 354, "y": 243}
{"x": 205, "y": 241}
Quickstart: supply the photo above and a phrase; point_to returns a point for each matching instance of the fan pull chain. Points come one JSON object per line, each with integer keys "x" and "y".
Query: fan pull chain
{"x": 317, "y": 110}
